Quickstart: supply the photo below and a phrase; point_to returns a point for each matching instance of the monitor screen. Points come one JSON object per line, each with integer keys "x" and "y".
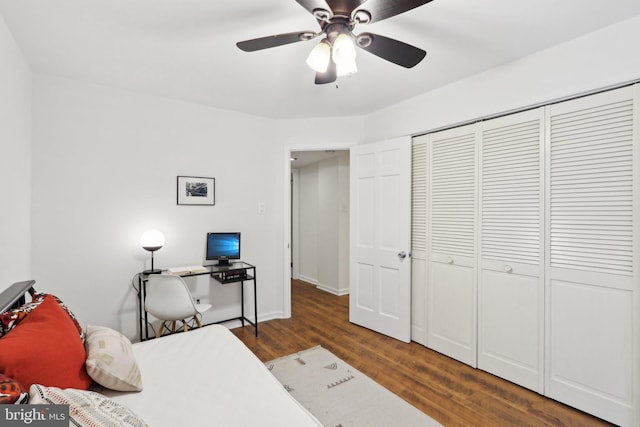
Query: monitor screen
{"x": 223, "y": 247}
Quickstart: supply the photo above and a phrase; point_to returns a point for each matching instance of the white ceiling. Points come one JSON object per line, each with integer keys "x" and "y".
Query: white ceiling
{"x": 185, "y": 49}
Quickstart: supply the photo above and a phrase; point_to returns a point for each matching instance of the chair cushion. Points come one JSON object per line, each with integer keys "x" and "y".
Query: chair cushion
{"x": 110, "y": 360}
{"x": 45, "y": 348}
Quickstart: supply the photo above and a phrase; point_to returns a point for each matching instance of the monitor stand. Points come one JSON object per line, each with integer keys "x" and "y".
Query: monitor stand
{"x": 223, "y": 262}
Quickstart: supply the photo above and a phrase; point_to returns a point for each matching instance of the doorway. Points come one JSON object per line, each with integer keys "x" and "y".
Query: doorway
{"x": 318, "y": 220}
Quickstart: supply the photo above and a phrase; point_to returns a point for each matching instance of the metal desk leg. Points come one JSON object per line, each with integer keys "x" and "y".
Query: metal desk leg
{"x": 255, "y": 300}
{"x": 146, "y": 318}
{"x": 140, "y": 306}
{"x": 242, "y": 302}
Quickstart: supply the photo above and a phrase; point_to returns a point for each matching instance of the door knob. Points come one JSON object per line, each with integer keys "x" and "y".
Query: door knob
{"x": 402, "y": 255}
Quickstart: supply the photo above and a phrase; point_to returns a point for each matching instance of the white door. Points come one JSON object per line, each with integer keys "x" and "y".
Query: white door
{"x": 592, "y": 215}
{"x": 380, "y": 267}
{"x": 451, "y": 287}
{"x": 511, "y": 217}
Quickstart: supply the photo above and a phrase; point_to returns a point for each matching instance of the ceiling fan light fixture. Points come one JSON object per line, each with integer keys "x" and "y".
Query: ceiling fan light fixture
{"x": 319, "y": 57}
{"x": 344, "y": 50}
{"x": 346, "y": 68}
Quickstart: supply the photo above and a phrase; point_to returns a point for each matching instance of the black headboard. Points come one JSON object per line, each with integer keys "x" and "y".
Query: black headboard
{"x": 15, "y": 294}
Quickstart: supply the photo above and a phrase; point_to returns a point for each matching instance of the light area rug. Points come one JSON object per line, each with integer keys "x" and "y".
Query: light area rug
{"x": 340, "y": 395}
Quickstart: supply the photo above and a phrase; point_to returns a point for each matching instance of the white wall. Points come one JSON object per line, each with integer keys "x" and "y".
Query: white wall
{"x": 15, "y": 161}
{"x": 319, "y": 133}
{"x": 104, "y": 170}
{"x": 328, "y": 243}
{"x": 308, "y": 223}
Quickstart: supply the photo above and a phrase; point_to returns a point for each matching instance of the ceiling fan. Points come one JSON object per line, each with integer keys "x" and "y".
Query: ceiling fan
{"x": 335, "y": 55}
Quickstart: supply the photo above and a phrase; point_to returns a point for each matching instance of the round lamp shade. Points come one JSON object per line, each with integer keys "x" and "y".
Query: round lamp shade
{"x": 152, "y": 240}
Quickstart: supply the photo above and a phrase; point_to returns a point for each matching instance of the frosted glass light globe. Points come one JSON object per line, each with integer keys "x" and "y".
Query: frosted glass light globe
{"x": 319, "y": 57}
{"x": 344, "y": 51}
{"x": 152, "y": 240}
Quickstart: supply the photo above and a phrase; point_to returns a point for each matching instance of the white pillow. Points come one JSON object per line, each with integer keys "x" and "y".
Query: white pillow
{"x": 86, "y": 408}
{"x": 110, "y": 360}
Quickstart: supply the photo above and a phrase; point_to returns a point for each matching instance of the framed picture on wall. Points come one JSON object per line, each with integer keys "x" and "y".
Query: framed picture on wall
{"x": 196, "y": 190}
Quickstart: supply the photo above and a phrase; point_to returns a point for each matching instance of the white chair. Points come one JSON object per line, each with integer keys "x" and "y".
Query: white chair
{"x": 168, "y": 299}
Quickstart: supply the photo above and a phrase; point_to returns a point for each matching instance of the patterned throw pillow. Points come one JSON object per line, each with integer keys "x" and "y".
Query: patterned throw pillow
{"x": 86, "y": 408}
{"x": 11, "y": 318}
{"x": 11, "y": 391}
{"x": 110, "y": 360}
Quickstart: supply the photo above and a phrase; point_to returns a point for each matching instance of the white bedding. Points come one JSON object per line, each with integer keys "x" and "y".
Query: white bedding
{"x": 208, "y": 377}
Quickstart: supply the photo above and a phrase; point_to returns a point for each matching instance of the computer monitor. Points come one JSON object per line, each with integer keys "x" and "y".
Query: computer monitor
{"x": 223, "y": 247}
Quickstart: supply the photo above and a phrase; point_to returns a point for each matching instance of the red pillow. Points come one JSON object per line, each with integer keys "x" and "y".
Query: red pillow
{"x": 45, "y": 348}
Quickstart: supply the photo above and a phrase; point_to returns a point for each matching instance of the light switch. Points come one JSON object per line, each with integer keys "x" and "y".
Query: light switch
{"x": 261, "y": 208}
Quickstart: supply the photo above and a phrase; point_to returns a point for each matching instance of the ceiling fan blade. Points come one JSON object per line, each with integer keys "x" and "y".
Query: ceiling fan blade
{"x": 344, "y": 7}
{"x": 329, "y": 76}
{"x": 383, "y": 9}
{"x": 392, "y": 50}
{"x": 275, "y": 40}
{"x": 312, "y": 5}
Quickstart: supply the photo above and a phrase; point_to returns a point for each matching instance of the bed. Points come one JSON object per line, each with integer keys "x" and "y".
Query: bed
{"x": 203, "y": 377}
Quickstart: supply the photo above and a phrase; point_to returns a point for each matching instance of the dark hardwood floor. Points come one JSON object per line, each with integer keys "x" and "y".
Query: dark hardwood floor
{"x": 450, "y": 392}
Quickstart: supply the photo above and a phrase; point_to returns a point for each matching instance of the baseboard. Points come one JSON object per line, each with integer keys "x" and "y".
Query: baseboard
{"x": 270, "y": 316}
{"x": 308, "y": 279}
{"x": 261, "y": 318}
{"x": 332, "y": 291}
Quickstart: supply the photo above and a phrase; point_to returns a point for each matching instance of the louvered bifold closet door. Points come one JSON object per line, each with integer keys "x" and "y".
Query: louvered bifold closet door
{"x": 511, "y": 287}
{"x": 419, "y": 239}
{"x": 451, "y": 288}
{"x": 593, "y": 179}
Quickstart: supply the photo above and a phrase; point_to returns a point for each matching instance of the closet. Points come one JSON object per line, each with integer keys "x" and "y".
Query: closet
{"x": 531, "y": 260}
